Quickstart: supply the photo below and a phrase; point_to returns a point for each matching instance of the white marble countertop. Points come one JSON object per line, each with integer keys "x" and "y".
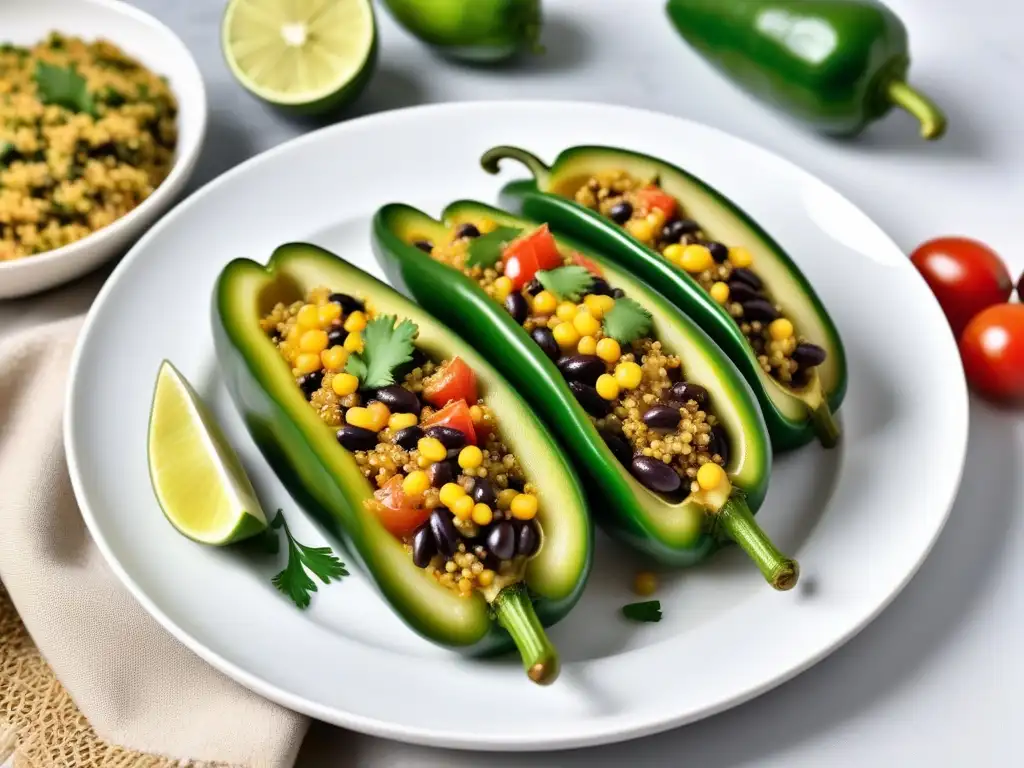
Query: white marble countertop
{"x": 936, "y": 679}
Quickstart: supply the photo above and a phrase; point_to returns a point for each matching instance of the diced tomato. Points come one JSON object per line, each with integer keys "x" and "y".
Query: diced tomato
{"x": 529, "y": 253}
{"x": 398, "y": 513}
{"x": 581, "y": 260}
{"x": 455, "y": 381}
{"x": 454, "y": 415}
{"x": 655, "y": 197}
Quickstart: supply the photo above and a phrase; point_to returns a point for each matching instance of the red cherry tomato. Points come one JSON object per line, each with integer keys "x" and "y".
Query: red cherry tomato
{"x": 655, "y": 197}
{"x": 400, "y": 514}
{"x": 455, "y": 381}
{"x": 582, "y": 261}
{"x": 454, "y": 415}
{"x": 992, "y": 350}
{"x": 965, "y": 276}
{"x": 529, "y": 253}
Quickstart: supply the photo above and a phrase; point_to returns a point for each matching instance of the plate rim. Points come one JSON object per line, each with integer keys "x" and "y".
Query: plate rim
{"x": 418, "y": 735}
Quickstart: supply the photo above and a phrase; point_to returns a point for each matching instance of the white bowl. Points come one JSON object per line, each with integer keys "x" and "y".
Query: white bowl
{"x": 140, "y": 35}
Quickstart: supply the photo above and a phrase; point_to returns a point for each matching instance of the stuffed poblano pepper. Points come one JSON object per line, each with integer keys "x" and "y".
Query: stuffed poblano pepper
{"x": 708, "y": 258}
{"x": 409, "y": 447}
{"x": 657, "y": 417}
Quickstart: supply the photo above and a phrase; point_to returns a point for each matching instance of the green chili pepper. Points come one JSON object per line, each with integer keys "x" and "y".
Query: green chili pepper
{"x": 678, "y": 532}
{"x": 325, "y": 478}
{"x": 793, "y": 416}
{"x": 836, "y": 65}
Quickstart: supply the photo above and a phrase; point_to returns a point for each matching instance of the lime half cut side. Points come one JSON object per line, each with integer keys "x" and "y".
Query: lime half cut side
{"x": 197, "y": 477}
{"x": 307, "y": 55}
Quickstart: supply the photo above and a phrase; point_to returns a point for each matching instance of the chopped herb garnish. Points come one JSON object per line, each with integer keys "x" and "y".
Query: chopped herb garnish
{"x": 293, "y": 580}
{"x": 649, "y": 610}
{"x": 486, "y": 250}
{"x": 63, "y": 87}
{"x": 567, "y": 283}
{"x": 385, "y": 347}
{"x": 112, "y": 97}
{"x": 6, "y": 148}
{"x": 627, "y": 321}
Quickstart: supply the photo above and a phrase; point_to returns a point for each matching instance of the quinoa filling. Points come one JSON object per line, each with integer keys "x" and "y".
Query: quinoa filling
{"x": 446, "y": 484}
{"x": 660, "y": 426}
{"x": 726, "y": 272}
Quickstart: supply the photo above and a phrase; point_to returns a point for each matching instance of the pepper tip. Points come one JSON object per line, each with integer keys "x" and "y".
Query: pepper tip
{"x": 544, "y": 672}
{"x": 786, "y": 577}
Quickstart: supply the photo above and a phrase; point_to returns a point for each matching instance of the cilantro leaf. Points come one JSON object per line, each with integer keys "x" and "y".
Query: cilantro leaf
{"x": 485, "y": 251}
{"x": 627, "y": 321}
{"x": 567, "y": 283}
{"x": 63, "y": 87}
{"x": 385, "y": 347}
{"x": 293, "y": 580}
{"x": 649, "y": 610}
{"x": 5, "y": 148}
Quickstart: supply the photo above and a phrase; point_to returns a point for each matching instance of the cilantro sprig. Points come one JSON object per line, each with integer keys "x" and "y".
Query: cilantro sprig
{"x": 293, "y": 580}
{"x": 63, "y": 87}
{"x": 385, "y": 347}
{"x": 567, "y": 283}
{"x": 647, "y": 611}
{"x": 627, "y": 321}
{"x": 486, "y": 250}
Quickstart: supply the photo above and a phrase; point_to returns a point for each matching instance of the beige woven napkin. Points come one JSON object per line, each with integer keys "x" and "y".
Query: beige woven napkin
{"x": 139, "y": 689}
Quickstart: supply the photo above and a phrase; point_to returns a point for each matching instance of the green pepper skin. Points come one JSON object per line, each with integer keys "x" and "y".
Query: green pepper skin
{"x": 674, "y": 534}
{"x": 793, "y": 417}
{"x": 835, "y": 65}
{"x": 325, "y": 480}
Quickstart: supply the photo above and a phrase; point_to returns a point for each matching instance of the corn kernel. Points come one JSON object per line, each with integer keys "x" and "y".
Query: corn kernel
{"x": 566, "y": 335}
{"x": 641, "y": 229}
{"x": 586, "y": 324}
{"x": 313, "y": 340}
{"x": 502, "y": 288}
{"x": 696, "y": 258}
{"x": 470, "y": 457}
{"x": 719, "y": 292}
{"x": 344, "y": 384}
{"x": 465, "y": 585}
{"x": 354, "y": 342}
{"x": 307, "y": 362}
{"x": 328, "y": 313}
{"x": 740, "y": 257}
{"x": 334, "y": 359}
{"x": 431, "y": 449}
{"x": 629, "y": 375}
{"x": 608, "y": 349}
{"x": 781, "y": 329}
{"x": 476, "y": 414}
{"x": 674, "y": 253}
{"x": 597, "y": 305}
{"x": 544, "y": 303}
{"x": 380, "y": 414}
{"x": 450, "y": 493}
{"x": 645, "y": 583}
{"x": 505, "y": 497}
{"x": 308, "y": 316}
{"x": 524, "y": 506}
{"x": 355, "y": 321}
{"x": 710, "y": 476}
{"x": 587, "y": 345}
{"x": 486, "y": 577}
{"x": 486, "y": 225}
{"x": 656, "y": 218}
{"x": 402, "y": 421}
{"x": 294, "y": 334}
{"x": 360, "y": 417}
{"x": 415, "y": 483}
{"x": 565, "y": 311}
{"x": 463, "y": 507}
{"x": 607, "y": 387}
{"x": 482, "y": 514}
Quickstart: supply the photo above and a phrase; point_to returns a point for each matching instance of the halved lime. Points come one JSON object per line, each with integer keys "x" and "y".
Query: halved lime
{"x": 307, "y": 55}
{"x": 198, "y": 479}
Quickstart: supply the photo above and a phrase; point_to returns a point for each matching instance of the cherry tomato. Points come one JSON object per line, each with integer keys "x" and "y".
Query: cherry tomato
{"x": 455, "y": 381}
{"x": 653, "y": 196}
{"x": 399, "y": 515}
{"x": 455, "y": 415}
{"x": 966, "y": 276}
{"x": 992, "y": 350}
{"x": 529, "y": 253}
{"x": 582, "y": 261}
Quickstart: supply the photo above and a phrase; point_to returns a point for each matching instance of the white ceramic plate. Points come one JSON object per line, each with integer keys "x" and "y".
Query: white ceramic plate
{"x": 860, "y": 519}
{"x": 140, "y": 35}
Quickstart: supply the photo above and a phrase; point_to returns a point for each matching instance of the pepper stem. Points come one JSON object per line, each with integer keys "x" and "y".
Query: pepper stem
{"x": 514, "y": 611}
{"x": 491, "y": 160}
{"x": 737, "y": 521}
{"x": 825, "y": 425}
{"x": 902, "y": 94}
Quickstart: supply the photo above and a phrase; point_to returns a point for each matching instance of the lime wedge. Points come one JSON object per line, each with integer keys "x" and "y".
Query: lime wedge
{"x": 307, "y": 55}
{"x": 198, "y": 479}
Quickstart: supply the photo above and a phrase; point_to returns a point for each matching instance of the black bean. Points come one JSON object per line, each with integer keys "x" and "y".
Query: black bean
{"x": 546, "y": 341}
{"x": 745, "y": 275}
{"x": 336, "y": 337}
{"x": 718, "y": 252}
{"x": 423, "y": 546}
{"x": 655, "y": 474}
{"x": 441, "y": 472}
{"x": 424, "y": 245}
{"x": 759, "y": 309}
{"x": 676, "y": 229}
{"x": 741, "y": 292}
{"x": 719, "y": 443}
{"x": 809, "y": 355}
{"x": 662, "y": 417}
{"x": 501, "y": 540}
{"x": 398, "y": 399}
{"x": 516, "y": 483}
{"x": 618, "y": 293}
{"x": 445, "y": 535}
{"x": 467, "y": 229}
{"x": 516, "y": 306}
{"x": 483, "y": 492}
{"x": 310, "y": 383}
{"x": 684, "y": 391}
{"x": 599, "y": 287}
{"x": 620, "y": 213}
{"x": 619, "y": 448}
{"x": 449, "y": 436}
{"x": 592, "y": 402}
{"x": 585, "y": 368}
{"x": 347, "y": 303}
{"x": 408, "y": 437}
{"x": 528, "y": 539}
{"x": 357, "y": 438}
{"x": 534, "y": 287}
{"x": 453, "y": 455}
